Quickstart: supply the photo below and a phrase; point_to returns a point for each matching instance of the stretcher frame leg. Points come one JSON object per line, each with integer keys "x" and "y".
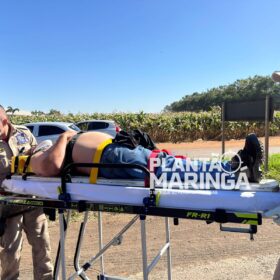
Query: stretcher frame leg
{"x": 169, "y": 262}
{"x": 79, "y": 245}
{"x": 62, "y": 245}
{"x": 147, "y": 269}
{"x": 100, "y": 237}
{"x": 113, "y": 241}
{"x": 102, "y": 275}
{"x": 63, "y": 225}
{"x": 144, "y": 247}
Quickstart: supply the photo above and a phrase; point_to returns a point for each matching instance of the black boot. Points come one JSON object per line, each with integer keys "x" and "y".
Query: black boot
{"x": 240, "y": 160}
{"x": 254, "y": 150}
{"x": 252, "y": 157}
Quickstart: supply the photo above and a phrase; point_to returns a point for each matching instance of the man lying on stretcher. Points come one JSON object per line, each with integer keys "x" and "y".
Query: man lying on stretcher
{"x": 82, "y": 148}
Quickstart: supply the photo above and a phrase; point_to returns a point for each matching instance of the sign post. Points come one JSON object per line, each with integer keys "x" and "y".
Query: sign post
{"x": 223, "y": 128}
{"x": 266, "y": 151}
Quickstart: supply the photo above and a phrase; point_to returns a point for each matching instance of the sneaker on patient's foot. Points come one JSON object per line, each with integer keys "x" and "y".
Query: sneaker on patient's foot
{"x": 252, "y": 157}
{"x": 239, "y": 160}
{"x": 254, "y": 150}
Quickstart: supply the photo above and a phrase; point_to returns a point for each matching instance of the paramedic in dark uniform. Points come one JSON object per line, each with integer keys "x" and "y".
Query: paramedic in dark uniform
{"x": 13, "y": 141}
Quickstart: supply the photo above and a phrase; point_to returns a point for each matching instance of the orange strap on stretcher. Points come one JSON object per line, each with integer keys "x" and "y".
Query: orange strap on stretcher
{"x": 96, "y": 159}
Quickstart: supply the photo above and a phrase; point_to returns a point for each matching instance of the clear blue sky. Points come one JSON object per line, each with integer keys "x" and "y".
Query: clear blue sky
{"x": 130, "y": 55}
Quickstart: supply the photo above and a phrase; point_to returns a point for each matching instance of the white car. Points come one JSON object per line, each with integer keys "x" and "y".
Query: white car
{"x": 105, "y": 126}
{"x": 49, "y": 130}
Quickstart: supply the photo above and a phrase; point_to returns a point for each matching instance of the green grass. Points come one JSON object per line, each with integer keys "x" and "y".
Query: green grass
{"x": 273, "y": 167}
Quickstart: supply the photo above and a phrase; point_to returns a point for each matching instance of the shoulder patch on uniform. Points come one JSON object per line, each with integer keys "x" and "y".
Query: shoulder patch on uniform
{"x": 22, "y": 138}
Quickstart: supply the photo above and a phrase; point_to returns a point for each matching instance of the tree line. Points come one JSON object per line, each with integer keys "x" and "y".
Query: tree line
{"x": 244, "y": 89}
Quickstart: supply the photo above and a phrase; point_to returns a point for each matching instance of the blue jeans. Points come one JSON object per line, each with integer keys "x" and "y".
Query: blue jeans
{"x": 116, "y": 153}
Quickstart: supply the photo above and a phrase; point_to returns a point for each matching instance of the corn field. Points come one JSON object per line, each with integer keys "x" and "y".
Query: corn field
{"x": 170, "y": 127}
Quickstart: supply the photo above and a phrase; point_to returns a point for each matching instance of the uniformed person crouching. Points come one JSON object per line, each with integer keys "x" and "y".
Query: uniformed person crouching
{"x": 13, "y": 141}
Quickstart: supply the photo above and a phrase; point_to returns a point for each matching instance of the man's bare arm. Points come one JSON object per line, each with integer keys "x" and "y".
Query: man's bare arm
{"x": 49, "y": 163}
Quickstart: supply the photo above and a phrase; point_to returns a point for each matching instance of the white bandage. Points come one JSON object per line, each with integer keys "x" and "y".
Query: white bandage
{"x": 43, "y": 146}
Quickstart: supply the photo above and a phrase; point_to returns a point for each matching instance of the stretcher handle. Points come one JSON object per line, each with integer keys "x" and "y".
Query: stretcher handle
{"x": 251, "y": 230}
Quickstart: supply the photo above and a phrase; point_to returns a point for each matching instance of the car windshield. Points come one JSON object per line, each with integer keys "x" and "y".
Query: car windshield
{"x": 74, "y": 127}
